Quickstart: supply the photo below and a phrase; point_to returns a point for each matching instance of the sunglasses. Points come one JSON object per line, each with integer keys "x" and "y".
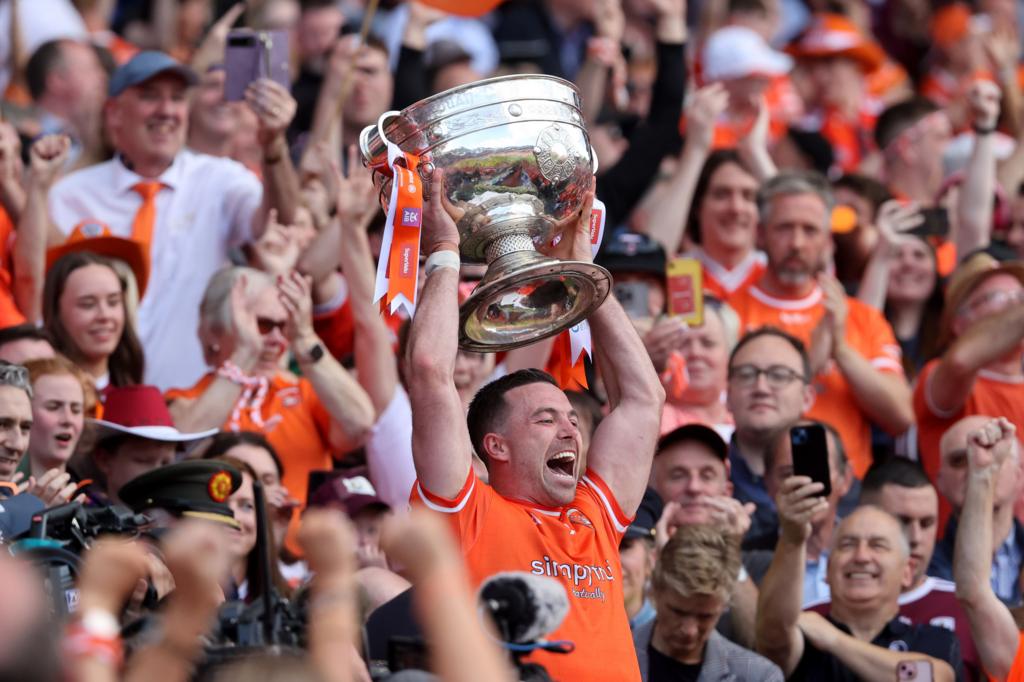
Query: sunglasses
{"x": 267, "y": 325}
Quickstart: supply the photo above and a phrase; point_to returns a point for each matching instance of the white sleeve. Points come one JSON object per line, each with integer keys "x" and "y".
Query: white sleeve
{"x": 242, "y": 194}
{"x": 389, "y": 453}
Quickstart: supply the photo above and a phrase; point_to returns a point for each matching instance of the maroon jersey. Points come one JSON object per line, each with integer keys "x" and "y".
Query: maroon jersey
{"x": 933, "y": 603}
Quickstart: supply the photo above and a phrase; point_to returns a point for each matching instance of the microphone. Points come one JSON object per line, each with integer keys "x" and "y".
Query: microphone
{"x": 524, "y": 606}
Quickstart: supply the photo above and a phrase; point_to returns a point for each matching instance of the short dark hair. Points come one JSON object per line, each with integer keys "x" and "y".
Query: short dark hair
{"x": 757, "y": 7}
{"x": 487, "y": 408}
{"x": 20, "y": 332}
{"x": 875, "y": 192}
{"x": 225, "y": 440}
{"x": 47, "y": 58}
{"x": 768, "y": 330}
{"x": 900, "y": 116}
{"x": 892, "y": 471}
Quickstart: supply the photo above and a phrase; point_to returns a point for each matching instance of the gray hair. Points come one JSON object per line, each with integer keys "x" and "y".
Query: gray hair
{"x": 793, "y": 182}
{"x": 15, "y": 376}
{"x": 215, "y": 308}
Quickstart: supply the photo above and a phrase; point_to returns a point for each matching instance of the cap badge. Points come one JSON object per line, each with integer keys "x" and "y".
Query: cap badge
{"x": 219, "y": 486}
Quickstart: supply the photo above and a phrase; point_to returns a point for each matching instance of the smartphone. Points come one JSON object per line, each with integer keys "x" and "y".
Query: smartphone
{"x": 320, "y": 478}
{"x": 632, "y": 296}
{"x": 251, "y": 55}
{"x": 935, "y": 223}
{"x": 684, "y": 278}
{"x": 919, "y": 671}
{"x": 810, "y": 454}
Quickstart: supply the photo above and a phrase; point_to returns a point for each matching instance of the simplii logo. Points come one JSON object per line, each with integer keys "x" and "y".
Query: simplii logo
{"x": 585, "y": 579}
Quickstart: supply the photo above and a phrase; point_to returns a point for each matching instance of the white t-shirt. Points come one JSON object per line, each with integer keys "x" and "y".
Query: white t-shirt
{"x": 205, "y": 209}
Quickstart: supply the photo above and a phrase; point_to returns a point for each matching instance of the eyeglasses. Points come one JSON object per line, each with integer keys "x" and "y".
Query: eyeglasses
{"x": 992, "y": 301}
{"x": 778, "y": 376}
{"x": 267, "y": 325}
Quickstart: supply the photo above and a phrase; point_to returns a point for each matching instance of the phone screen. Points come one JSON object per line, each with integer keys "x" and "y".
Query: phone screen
{"x": 632, "y": 296}
{"x": 935, "y": 223}
{"x": 810, "y": 454}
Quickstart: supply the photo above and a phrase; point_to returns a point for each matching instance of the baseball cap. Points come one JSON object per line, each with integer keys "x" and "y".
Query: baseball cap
{"x": 353, "y": 494}
{"x": 700, "y": 433}
{"x": 647, "y": 515}
{"x": 146, "y": 65}
{"x": 738, "y": 51}
{"x": 630, "y": 252}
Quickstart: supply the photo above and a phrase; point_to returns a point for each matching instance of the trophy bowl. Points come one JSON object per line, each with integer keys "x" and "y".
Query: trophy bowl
{"x": 515, "y": 162}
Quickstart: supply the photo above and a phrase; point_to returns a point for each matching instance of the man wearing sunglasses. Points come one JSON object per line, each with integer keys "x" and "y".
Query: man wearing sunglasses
{"x": 980, "y": 370}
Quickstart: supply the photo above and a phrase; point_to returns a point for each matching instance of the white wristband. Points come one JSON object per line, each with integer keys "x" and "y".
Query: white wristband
{"x": 100, "y": 623}
{"x": 742, "y": 576}
{"x": 442, "y": 259}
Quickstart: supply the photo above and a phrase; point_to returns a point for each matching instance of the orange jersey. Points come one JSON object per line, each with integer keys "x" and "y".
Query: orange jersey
{"x": 1017, "y": 668}
{"x": 294, "y": 421}
{"x": 9, "y": 313}
{"x": 577, "y": 544}
{"x": 992, "y": 395}
{"x": 867, "y": 332}
{"x": 722, "y": 282}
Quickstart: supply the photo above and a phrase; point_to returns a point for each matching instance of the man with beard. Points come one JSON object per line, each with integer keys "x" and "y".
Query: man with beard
{"x": 855, "y": 360}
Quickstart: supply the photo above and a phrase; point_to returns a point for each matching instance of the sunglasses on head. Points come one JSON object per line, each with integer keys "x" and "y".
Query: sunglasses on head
{"x": 267, "y": 325}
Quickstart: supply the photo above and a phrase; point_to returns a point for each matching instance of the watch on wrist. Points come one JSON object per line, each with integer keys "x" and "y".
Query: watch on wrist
{"x": 315, "y": 352}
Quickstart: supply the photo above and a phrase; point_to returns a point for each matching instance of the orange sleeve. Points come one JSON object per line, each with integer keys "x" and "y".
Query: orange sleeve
{"x": 465, "y": 512}
{"x": 606, "y": 501}
{"x": 884, "y": 351}
{"x": 321, "y": 417}
{"x": 189, "y": 393}
{"x": 1017, "y": 669}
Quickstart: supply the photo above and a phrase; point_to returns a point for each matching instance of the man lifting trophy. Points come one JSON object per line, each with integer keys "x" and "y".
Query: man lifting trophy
{"x": 515, "y": 161}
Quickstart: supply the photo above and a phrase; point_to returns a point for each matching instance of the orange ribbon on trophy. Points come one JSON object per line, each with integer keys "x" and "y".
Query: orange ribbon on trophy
{"x": 398, "y": 267}
{"x": 566, "y": 363}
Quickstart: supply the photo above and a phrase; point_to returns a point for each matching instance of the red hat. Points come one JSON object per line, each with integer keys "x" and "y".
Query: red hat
{"x": 833, "y": 35}
{"x": 96, "y": 237}
{"x": 140, "y": 411}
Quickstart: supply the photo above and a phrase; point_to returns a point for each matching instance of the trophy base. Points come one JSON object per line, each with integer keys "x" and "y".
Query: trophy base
{"x": 525, "y": 297}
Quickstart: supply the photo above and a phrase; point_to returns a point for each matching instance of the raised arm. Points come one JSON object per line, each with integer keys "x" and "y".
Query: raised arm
{"x": 985, "y": 341}
{"x": 275, "y": 108}
{"x": 47, "y": 158}
{"x": 781, "y": 596}
{"x": 375, "y": 361}
{"x": 352, "y": 413}
{"x": 623, "y": 445}
{"x": 883, "y": 396}
{"x": 992, "y": 625}
{"x": 12, "y": 194}
{"x": 668, "y": 218}
{"x": 866, "y": 660}
{"x": 441, "y": 449}
{"x": 892, "y": 220}
{"x": 973, "y": 220}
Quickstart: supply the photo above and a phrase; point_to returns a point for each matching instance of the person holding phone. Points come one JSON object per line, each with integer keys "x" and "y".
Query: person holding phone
{"x": 832, "y": 471}
{"x": 185, "y": 209}
{"x": 855, "y": 361}
{"x": 862, "y": 637}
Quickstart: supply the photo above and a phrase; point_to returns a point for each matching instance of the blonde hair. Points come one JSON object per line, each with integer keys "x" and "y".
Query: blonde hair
{"x": 698, "y": 561}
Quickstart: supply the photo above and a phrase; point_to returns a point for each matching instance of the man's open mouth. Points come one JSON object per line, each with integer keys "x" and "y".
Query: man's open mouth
{"x": 563, "y": 462}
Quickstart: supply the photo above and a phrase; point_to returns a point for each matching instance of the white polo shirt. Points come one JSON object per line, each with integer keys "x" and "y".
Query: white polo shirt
{"x": 206, "y": 209}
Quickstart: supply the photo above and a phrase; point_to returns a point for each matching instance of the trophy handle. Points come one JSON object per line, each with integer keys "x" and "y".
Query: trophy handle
{"x": 593, "y": 159}
{"x": 380, "y": 124}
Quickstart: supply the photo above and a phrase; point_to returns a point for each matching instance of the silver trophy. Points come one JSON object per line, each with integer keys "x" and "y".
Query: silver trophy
{"x": 515, "y": 160}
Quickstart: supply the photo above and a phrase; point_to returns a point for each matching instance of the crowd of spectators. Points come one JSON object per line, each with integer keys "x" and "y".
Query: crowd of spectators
{"x": 222, "y": 459}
